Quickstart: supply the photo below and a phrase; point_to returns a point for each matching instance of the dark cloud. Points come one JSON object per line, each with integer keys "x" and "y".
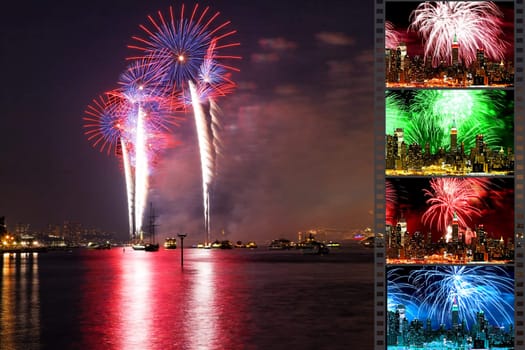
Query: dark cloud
{"x": 277, "y": 44}
{"x": 270, "y": 57}
{"x": 332, "y": 38}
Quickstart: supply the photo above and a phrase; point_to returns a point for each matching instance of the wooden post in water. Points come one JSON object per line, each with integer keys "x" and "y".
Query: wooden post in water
{"x": 181, "y": 236}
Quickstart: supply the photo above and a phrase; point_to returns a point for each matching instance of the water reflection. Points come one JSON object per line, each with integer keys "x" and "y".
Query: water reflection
{"x": 202, "y": 324}
{"x": 20, "y": 313}
{"x": 141, "y": 300}
{"x": 217, "y": 304}
{"x": 134, "y": 301}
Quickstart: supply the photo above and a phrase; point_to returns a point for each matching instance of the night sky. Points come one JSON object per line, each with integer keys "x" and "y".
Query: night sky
{"x": 297, "y": 132}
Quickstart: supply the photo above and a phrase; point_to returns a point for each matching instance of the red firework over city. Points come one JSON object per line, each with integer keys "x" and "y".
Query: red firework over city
{"x": 433, "y": 204}
{"x": 449, "y": 44}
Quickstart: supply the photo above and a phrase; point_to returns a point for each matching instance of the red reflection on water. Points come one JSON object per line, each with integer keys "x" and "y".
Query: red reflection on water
{"x": 133, "y": 302}
{"x": 218, "y": 302}
{"x": 142, "y": 300}
{"x": 202, "y": 327}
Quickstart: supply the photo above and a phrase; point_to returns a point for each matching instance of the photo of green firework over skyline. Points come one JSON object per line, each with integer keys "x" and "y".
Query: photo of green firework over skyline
{"x": 428, "y": 117}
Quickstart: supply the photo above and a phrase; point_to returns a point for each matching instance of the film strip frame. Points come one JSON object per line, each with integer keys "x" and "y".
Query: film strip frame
{"x": 379, "y": 178}
{"x": 379, "y": 175}
{"x": 519, "y": 167}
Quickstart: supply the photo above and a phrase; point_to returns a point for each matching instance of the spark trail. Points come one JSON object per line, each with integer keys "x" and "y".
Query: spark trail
{"x": 474, "y": 24}
{"x": 487, "y": 289}
{"x": 451, "y": 197}
{"x": 204, "y": 136}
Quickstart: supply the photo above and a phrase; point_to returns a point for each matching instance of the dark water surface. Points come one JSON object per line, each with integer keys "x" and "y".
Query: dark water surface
{"x": 221, "y": 299}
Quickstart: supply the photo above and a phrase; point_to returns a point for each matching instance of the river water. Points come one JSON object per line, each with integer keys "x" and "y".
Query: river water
{"x": 220, "y": 299}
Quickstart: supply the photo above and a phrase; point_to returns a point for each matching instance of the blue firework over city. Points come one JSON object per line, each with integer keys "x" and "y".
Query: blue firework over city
{"x": 440, "y": 291}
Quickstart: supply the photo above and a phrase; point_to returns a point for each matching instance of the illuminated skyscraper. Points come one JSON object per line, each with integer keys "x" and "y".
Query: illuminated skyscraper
{"x": 480, "y": 144}
{"x": 403, "y": 53}
{"x": 455, "y": 51}
{"x": 455, "y": 315}
{"x": 480, "y": 57}
{"x": 453, "y": 140}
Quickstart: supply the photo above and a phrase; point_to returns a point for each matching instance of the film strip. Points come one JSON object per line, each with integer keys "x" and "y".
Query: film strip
{"x": 379, "y": 176}
{"x": 457, "y": 248}
{"x": 519, "y": 181}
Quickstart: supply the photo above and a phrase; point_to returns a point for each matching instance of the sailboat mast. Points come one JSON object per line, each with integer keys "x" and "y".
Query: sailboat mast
{"x": 152, "y": 223}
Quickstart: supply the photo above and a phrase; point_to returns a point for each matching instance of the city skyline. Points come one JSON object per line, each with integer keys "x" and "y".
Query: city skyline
{"x": 285, "y": 165}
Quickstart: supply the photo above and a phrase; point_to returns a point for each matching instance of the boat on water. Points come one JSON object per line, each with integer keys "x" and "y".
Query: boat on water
{"x": 170, "y": 243}
{"x": 332, "y": 244}
{"x": 138, "y": 246}
{"x": 368, "y": 242}
{"x": 150, "y": 246}
{"x": 99, "y": 245}
{"x": 311, "y": 246}
{"x": 250, "y": 244}
{"x": 222, "y": 244}
{"x": 280, "y": 244}
{"x": 314, "y": 247}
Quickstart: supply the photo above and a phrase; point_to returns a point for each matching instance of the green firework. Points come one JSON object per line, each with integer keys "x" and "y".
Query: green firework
{"x": 429, "y": 116}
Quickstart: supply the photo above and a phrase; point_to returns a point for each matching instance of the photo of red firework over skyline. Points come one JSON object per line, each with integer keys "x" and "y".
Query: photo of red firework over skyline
{"x": 429, "y": 28}
{"x": 429, "y": 204}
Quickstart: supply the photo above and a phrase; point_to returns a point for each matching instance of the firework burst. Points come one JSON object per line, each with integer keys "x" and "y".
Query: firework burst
{"x": 180, "y": 45}
{"x": 104, "y": 122}
{"x": 182, "y": 63}
{"x": 472, "y": 112}
{"x": 449, "y": 198}
{"x": 470, "y": 289}
{"x": 473, "y": 24}
{"x": 427, "y": 116}
{"x": 189, "y": 54}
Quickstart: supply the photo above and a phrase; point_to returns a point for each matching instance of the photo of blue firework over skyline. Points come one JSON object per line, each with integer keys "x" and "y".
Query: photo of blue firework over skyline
{"x": 463, "y": 303}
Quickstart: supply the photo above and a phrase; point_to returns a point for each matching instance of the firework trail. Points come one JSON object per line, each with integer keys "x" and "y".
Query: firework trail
{"x": 105, "y": 122}
{"x": 150, "y": 112}
{"x": 204, "y": 133}
{"x": 452, "y": 197}
{"x": 487, "y": 289}
{"x": 400, "y": 292}
{"x": 390, "y": 199}
{"x": 130, "y": 185}
{"x": 131, "y": 120}
{"x": 391, "y": 36}
{"x": 474, "y": 24}
{"x": 396, "y": 113}
{"x": 186, "y": 50}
